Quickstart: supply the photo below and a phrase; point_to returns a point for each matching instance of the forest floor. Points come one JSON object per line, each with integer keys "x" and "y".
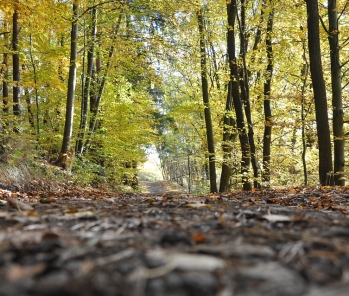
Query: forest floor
{"x": 76, "y": 241}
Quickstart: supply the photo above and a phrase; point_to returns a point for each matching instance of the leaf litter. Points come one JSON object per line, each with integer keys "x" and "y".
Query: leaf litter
{"x": 91, "y": 242}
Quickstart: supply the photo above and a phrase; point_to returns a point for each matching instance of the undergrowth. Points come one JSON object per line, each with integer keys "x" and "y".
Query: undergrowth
{"x": 22, "y": 167}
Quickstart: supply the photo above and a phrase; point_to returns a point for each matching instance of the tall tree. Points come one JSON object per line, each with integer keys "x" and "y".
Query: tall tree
{"x": 4, "y": 69}
{"x": 319, "y": 89}
{"x": 87, "y": 82}
{"x": 267, "y": 106}
{"x": 99, "y": 81}
{"x": 238, "y": 106}
{"x": 206, "y": 101}
{"x": 336, "y": 84}
{"x": 66, "y": 154}
{"x": 245, "y": 89}
{"x": 228, "y": 136}
{"x": 15, "y": 60}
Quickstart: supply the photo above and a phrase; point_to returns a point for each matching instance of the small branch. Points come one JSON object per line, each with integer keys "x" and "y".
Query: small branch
{"x": 340, "y": 15}
{"x": 323, "y": 25}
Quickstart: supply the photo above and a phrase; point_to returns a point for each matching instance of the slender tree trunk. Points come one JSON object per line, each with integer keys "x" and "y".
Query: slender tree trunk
{"x": 234, "y": 78}
{"x": 207, "y": 110}
{"x": 60, "y": 65}
{"x": 267, "y": 107}
{"x": 323, "y": 130}
{"x": 245, "y": 92}
{"x": 15, "y": 61}
{"x": 86, "y": 87}
{"x": 5, "y": 84}
{"x": 36, "y": 92}
{"x": 5, "y": 71}
{"x": 228, "y": 135}
{"x": 303, "y": 112}
{"x": 97, "y": 88}
{"x": 29, "y": 108}
{"x": 29, "y": 104}
{"x": 338, "y": 136}
{"x": 65, "y": 157}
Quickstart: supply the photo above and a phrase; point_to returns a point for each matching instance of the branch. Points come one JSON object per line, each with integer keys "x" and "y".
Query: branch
{"x": 340, "y": 15}
{"x": 344, "y": 64}
{"x": 323, "y": 25}
{"x": 99, "y": 4}
{"x": 344, "y": 86}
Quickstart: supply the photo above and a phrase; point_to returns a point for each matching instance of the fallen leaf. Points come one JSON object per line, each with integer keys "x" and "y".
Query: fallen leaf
{"x": 18, "y": 272}
{"x": 21, "y": 206}
{"x": 46, "y": 200}
{"x": 199, "y": 237}
{"x": 71, "y": 211}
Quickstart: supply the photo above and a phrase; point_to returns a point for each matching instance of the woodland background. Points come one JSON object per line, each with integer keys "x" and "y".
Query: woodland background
{"x": 234, "y": 91}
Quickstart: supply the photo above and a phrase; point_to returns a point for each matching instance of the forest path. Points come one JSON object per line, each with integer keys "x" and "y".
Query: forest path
{"x": 161, "y": 187}
{"x": 85, "y": 241}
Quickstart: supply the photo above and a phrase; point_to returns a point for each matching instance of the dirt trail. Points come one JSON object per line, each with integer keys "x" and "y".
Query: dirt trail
{"x": 78, "y": 242}
{"x": 161, "y": 187}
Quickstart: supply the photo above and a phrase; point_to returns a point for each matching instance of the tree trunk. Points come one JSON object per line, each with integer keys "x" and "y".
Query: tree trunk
{"x": 304, "y": 72}
{"x": 338, "y": 137}
{"x": 65, "y": 157}
{"x": 86, "y": 87}
{"x": 207, "y": 110}
{"x": 29, "y": 103}
{"x": 245, "y": 93}
{"x": 15, "y": 61}
{"x": 228, "y": 136}
{"x": 5, "y": 71}
{"x": 267, "y": 107}
{"x": 97, "y": 88}
{"x": 234, "y": 78}
{"x": 36, "y": 92}
{"x": 323, "y": 131}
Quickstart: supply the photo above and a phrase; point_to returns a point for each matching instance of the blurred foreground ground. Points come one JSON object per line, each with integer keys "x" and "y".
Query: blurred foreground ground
{"x": 286, "y": 242}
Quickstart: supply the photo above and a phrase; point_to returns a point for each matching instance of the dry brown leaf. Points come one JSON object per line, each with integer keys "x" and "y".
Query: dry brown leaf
{"x": 198, "y": 237}
{"x": 18, "y": 272}
{"x": 21, "y": 206}
{"x": 71, "y": 211}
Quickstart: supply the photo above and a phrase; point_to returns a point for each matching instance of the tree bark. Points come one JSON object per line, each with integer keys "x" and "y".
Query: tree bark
{"x": 234, "y": 78}
{"x": 323, "y": 131}
{"x": 98, "y": 85}
{"x": 245, "y": 93}
{"x": 65, "y": 157}
{"x": 5, "y": 72}
{"x": 36, "y": 92}
{"x": 87, "y": 83}
{"x": 337, "y": 106}
{"x": 15, "y": 61}
{"x": 207, "y": 110}
{"x": 304, "y": 72}
{"x": 228, "y": 137}
{"x": 267, "y": 107}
